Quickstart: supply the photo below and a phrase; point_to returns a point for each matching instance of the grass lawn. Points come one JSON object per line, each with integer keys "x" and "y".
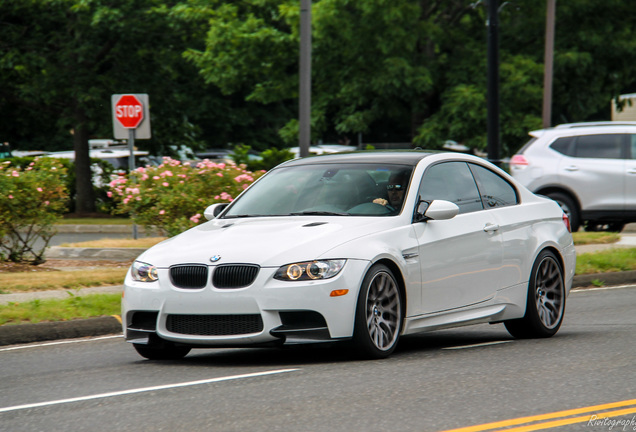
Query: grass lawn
{"x": 73, "y": 307}
{"x": 69, "y": 279}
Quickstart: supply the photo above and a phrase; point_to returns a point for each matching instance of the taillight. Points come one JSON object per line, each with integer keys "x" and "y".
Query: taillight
{"x": 519, "y": 160}
{"x": 566, "y": 221}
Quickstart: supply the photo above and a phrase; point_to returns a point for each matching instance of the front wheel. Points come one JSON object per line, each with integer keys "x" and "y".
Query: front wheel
{"x": 546, "y": 300}
{"x": 379, "y": 315}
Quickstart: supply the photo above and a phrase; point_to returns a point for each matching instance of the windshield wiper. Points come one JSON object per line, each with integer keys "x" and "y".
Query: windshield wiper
{"x": 319, "y": 213}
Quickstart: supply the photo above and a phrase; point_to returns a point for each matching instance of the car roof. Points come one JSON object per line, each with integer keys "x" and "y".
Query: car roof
{"x": 407, "y": 157}
{"x": 584, "y": 128}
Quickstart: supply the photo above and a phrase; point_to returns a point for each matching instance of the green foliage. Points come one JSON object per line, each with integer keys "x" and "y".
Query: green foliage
{"x": 173, "y": 196}
{"x": 222, "y": 71}
{"x": 33, "y": 198}
{"x": 102, "y": 172}
{"x": 265, "y": 161}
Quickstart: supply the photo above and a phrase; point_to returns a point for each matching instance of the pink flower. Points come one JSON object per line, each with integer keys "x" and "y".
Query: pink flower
{"x": 162, "y": 212}
{"x": 195, "y": 218}
{"x": 46, "y": 203}
{"x": 109, "y": 194}
{"x": 219, "y": 174}
{"x": 15, "y": 174}
{"x": 244, "y": 177}
{"x": 226, "y": 196}
{"x": 166, "y": 184}
{"x": 39, "y": 189}
{"x": 156, "y": 177}
{"x": 10, "y": 196}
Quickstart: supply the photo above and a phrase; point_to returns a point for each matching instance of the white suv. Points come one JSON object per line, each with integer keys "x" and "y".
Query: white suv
{"x": 588, "y": 168}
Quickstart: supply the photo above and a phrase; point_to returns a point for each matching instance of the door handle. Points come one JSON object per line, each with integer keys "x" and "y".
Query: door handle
{"x": 571, "y": 168}
{"x": 491, "y": 227}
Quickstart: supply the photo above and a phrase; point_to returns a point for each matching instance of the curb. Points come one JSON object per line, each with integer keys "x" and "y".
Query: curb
{"x": 605, "y": 279}
{"x": 47, "y": 331}
{"x": 116, "y": 254}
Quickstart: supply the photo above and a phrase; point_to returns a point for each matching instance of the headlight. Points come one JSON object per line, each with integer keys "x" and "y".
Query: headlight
{"x": 310, "y": 270}
{"x": 143, "y": 272}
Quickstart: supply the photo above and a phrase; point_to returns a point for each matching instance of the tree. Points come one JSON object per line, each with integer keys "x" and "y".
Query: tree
{"x": 420, "y": 67}
{"x": 62, "y": 59}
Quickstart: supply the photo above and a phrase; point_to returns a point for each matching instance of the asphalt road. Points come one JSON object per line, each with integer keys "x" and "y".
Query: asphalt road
{"x": 434, "y": 382}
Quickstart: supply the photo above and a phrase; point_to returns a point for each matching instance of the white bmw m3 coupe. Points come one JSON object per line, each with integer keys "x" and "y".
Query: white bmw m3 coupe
{"x": 360, "y": 247}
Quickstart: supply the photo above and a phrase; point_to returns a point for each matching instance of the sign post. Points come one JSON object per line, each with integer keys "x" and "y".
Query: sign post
{"x": 131, "y": 120}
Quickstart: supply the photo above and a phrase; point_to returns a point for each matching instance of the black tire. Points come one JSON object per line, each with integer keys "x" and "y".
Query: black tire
{"x": 546, "y": 300}
{"x": 595, "y": 226}
{"x": 379, "y": 314}
{"x": 162, "y": 351}
{"x": 569, "y": 208}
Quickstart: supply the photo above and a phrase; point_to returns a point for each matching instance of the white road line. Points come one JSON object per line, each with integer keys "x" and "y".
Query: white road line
{"x": 62, "y": 342}
{"x": 477, "y": 345}
{"x": 143, "y": 390}
{"x": 582, "y": 290}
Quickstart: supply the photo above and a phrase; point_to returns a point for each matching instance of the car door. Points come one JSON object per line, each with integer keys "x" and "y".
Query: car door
{"x": 460, "y": 258}
{"x": 501, "y": 202}
{"x": 595, "y": 169}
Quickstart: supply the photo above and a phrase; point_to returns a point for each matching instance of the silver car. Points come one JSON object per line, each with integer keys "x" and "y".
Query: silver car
{"x": 588, "y": 168}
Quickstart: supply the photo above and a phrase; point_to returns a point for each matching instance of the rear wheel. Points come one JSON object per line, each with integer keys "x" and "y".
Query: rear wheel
{"x": 546, "y": 300}
{"x": 161, "y": 351}
{"x": 378, "y": 320}
{"x": 569, "y": 208}
{"x": 595, "y": 226}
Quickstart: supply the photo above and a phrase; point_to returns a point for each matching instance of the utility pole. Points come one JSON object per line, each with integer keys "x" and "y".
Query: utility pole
{"x": 493, "y": 82}
{"x": 304, "y": 99}
{"x": 548, "y": 63}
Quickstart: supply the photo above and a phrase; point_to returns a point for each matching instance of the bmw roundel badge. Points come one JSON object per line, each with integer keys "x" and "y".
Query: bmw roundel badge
{"x": 215, "y": 258}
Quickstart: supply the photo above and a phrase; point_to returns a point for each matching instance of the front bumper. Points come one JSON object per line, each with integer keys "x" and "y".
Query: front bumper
{"x": 267, "y": 311}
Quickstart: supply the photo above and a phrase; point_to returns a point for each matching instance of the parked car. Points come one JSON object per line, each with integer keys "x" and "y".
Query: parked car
{"x": 320, "y": 149}
{"x": 360, "y": 247}
{"x": 588, "y": 168}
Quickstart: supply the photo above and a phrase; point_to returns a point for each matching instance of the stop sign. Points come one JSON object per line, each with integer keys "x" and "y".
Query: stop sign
{"x": 129, "y": 111}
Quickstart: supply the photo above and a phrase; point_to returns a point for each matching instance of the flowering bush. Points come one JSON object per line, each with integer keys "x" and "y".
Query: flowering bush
{"x": 33, "y": 198}
{"x": 173, "y": 196}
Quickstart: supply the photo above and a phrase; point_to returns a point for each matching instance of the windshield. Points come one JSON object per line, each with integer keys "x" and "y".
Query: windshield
{"x": 333, "y": 189}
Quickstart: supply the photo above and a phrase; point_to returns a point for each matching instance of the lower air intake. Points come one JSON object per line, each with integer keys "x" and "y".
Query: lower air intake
{"x": 215, "y": 325}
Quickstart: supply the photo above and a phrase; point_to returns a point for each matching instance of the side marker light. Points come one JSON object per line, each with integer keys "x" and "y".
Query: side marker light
{"x": 338, "y": 293}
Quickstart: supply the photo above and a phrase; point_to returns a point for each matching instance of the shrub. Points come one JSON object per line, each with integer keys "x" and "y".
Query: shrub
{"x": 173, "y": 195}
{"x": 33, "y": 198}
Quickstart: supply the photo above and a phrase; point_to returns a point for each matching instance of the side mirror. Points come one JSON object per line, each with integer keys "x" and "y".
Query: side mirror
{"x": 436, "y": 210}
{"x": 214, "y": 210}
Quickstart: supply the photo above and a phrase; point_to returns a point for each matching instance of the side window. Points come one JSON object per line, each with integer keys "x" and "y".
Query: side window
{"x": 632, "y": 144}
{"x": 563, "y": 146}
{"x": 607, "y": 146}
{"x": 495, "y": 191}
{"x": 451, "y": 181}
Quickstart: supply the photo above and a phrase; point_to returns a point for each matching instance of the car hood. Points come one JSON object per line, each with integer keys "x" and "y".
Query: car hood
{"x": 268, "y": 242}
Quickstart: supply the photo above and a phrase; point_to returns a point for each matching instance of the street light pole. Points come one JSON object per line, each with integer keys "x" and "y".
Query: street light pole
{"x": 493, "y": 82}
{"x": 304, "y": 99}
{"x": 548, "y": 63}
